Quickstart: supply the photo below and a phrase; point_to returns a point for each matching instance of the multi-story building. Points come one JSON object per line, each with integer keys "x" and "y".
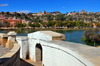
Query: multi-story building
{"x": 83, "y": 11}
{"x": 39, "y": 14}
{"x": 12, "y": 22}
{"x": 44, "y": 13}
{"x": 25, "y": 21}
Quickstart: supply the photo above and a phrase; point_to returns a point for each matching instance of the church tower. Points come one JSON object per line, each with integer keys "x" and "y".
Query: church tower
{"x": 83, "y": 11}
{"x": 44, "y": 12}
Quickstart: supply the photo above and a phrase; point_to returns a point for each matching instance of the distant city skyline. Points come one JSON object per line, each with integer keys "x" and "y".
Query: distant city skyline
{"x": 62, "y": 6}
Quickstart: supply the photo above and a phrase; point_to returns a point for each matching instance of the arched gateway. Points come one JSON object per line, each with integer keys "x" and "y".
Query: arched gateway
{"x": 57, "y": 52}
{"x": 38, "y": 52}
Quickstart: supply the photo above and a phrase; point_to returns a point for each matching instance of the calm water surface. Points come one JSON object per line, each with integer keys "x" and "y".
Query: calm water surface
{"x": 71, "y": 35}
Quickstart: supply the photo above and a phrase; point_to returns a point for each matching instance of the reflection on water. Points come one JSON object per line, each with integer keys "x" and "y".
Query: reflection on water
{"x": 71, "y": 35}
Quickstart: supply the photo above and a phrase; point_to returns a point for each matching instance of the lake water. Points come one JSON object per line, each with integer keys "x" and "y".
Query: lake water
{"x": 71, "y": 35}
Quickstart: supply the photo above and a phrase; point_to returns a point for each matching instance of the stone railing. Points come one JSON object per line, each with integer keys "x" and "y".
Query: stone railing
{"x": 3, "y": 39}
{"x": 12, "y": 58}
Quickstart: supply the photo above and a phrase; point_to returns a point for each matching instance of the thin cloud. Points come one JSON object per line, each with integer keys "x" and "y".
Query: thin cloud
{"x": 3, "y": 4}
{"x": 24, "y": 11}
{"x": 63, "y": 7}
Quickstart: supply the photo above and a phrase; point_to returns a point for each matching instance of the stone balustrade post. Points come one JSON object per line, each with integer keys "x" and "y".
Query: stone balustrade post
{"x": 3, "y": 39}
{"x": 11, "y": 39}
{"x": 12, "y": 35}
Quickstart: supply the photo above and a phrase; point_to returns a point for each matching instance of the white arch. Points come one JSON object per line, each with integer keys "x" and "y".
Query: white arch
{"x": 38, "y": 50}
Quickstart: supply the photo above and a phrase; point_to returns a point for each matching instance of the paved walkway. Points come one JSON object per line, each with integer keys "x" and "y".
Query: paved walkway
{"x": 92, "y": 54}
{"x": 3, "y": 51}
{"x": 30, "y": 63}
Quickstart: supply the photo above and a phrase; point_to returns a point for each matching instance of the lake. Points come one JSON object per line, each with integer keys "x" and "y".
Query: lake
{"x": 71, "y": 35}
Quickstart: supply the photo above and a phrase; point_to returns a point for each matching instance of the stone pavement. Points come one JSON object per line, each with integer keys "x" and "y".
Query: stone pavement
{"x": 3, "y": 50}
{"x": 30, "y": 63}
{"x": 92, "y": 54}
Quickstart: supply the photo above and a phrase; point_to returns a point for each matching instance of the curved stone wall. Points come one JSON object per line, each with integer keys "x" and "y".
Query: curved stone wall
{"x": 12, "y": 58}
{"x": 56, "y": 55}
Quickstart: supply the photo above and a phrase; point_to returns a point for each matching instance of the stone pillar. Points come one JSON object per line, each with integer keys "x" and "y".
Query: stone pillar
{"x": 3, "y": 39}
{"x": 12, "y": 35}
{"x": 11, "y": 39}
{"x": 9, "y": 44}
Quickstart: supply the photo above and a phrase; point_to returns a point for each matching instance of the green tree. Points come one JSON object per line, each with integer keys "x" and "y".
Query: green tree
{"x": 59, "y": 17}
{"x": 37, "y": 24}
{"x": 68, "y": 23}
{"x": 92, "y": 35}
{"x": 49, "y": 17}
{"x": 60, "y": 24}
{"x": 29, "y": 24}
{"x": 79, "y": 23}
{"x": 21, "y": 25}
{"x": 50, "y": 24}
{"x": 73, "y": 24}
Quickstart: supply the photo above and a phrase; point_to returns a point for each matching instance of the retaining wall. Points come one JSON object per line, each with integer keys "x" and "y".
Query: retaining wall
{"x": 12, "y": 58}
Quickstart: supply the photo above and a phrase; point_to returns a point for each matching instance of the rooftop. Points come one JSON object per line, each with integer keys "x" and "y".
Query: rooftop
{"x": 51, "y": 33}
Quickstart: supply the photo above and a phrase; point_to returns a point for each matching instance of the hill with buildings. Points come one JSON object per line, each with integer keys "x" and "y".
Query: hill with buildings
{"x": 49, "y": 19}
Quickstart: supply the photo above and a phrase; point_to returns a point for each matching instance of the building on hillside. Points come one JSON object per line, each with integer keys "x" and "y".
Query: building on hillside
{"x": 13, "y": 12}
{"x": 73, "y": 13}
{"x": 87, "y": 12}
{"x": 19, "y": 12}
{"x": 44, "y": 13}
{"x": 39, "y": 14}
{"x": 25, "y": 21}
{"x": 55, "y": 13}
{"x": 69, "y": 14}
{"x": 2, "y": 17}
{"x": 83, "y": 11}
{"x": 12, "y": 22}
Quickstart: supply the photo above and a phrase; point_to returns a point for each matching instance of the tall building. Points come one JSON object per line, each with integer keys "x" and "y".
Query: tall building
{"x": 44, "y": 12}
{"x": 83, "y": 11}
{"x": 39, "y": 14}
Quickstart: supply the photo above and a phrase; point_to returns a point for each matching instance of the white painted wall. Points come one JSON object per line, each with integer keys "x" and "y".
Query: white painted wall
{"x": 55, "y": 55}
{"x": 32, "y": 45}
{"x": 24, "y": 50}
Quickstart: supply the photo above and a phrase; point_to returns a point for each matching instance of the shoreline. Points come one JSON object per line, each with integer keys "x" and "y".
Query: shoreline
{"x": 40, "y": 29}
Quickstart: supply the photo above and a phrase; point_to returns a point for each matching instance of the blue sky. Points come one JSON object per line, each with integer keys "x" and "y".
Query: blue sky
{"x": 49, "y": 5}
